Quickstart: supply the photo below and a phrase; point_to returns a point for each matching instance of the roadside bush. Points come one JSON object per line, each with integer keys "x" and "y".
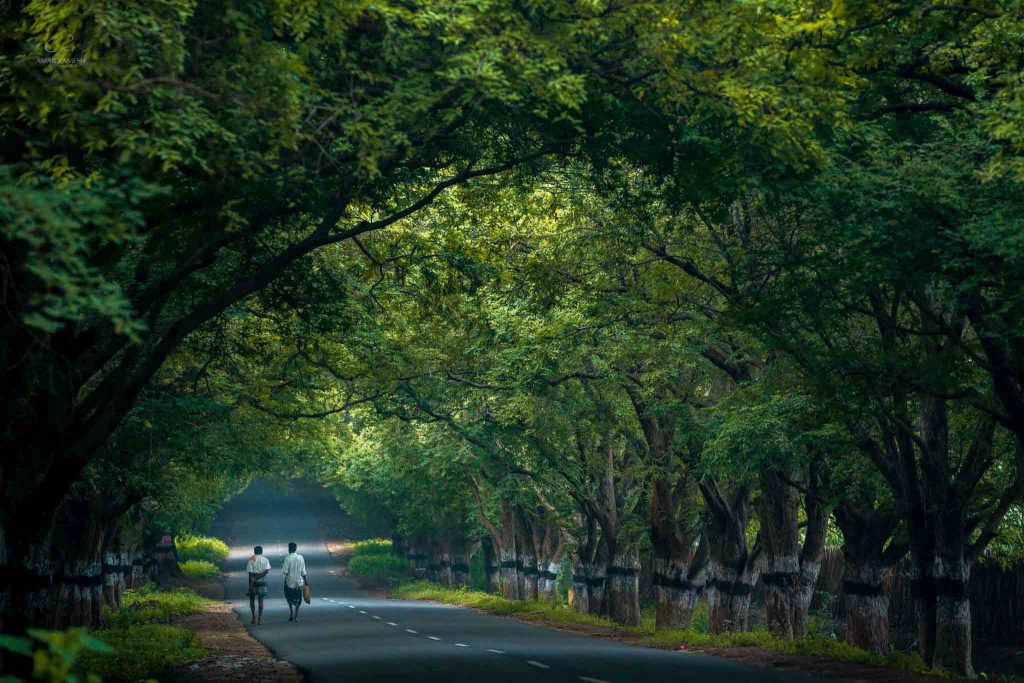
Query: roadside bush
{"x": 141, "y": 652}
{"x": 373, "y": 546}
{"x": 144, "y": 644}
{"x": 149, "y": 606}
{"x": 199, "y": 569}
{"x": 205, "y": 548}
{"x": 378, "y": 567}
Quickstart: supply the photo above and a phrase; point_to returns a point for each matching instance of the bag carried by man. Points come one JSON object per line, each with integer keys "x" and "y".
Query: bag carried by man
{"x": 307, "y": 595}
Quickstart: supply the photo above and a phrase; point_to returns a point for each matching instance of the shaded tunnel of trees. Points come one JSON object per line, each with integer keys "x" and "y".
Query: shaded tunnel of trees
{"x": 710, "y": 288}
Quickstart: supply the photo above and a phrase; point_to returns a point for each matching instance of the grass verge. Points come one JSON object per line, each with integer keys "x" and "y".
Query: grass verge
{"x": 144, "y": 643}
{"x": 670, "y": 639}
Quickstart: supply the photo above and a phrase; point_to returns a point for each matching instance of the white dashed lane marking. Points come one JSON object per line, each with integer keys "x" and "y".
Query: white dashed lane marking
{"x": 588, "y": 679}
{"x": 433, "y": 637}
{"x": 376, "y": 617}
{"x": 351, "y": 606}
{"x": 362, "y": 611}
{"x": 534, "y": 662}
{"x": 497, "y": 652}
{"x": 461, "y": 645}
{"x": 391, "y": 623}
{"x": 409, "y": 630}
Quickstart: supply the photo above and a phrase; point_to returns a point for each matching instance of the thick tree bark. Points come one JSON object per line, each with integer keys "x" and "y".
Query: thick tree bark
{"x": 677, "y": 594}
{"x": 678, "y": 569}
{"x": 492, "y": 565}
{"x": 589, "y": 594}
{"x": 870, "y": 548}
{"x": 509, "y": 575}
{"x": 953, "y": 616}
{"x": 623, "y": 588}
{"x": 732, "y": 570}
{"x": 526, "y": 555}
{"x": 791, "y": 567}
{"x": 548, "y": 541}
{"x": 778, "y": 510}
{"x": 511, "y": 581}
{"x": 678, "y": 580}
{"x": 867, "y": 607}
{"x": 729, "y": 590}
{"x": 589, "y": 573}
{"x": 460, "y": 566}
{"x": 442, "y": 562}
{"x": 679, "y": 586}
{"x": 547, "y": 583}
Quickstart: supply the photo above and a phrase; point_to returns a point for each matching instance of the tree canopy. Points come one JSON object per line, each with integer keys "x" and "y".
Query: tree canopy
{"x": 714, "y": 285}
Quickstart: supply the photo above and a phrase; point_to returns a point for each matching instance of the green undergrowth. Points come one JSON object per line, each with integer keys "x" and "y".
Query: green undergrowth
{"x": 150, "y": 606}
{"x": 526, "y": 609}
{"x": 199, "y": 569}
{"x": 373, "y": 560}
{"x": 143, "y": 641}
{"x": 671, "y": 639}
{"x": 373, "y": 546}
{"x": 144, "y": 651}
{"x": 812, "y": 645}
{"x": 204, "y": 548}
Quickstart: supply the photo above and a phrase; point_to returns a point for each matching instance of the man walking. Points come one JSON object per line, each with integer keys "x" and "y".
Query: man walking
{"x": 258, "y": 568}
{"x": 294, "y": 569}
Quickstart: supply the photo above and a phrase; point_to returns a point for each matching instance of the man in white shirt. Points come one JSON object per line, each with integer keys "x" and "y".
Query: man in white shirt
{"x": 294, "y": 569}
{"x": 258, "y": 568}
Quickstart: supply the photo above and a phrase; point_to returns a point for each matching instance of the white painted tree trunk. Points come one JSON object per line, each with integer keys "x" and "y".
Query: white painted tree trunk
{"x": 729, "y": 594}
{"x": 953, "y": 617}
{"x": 547, "y": 581}
{"x": 676, "y": 594}
{"x": 509, "y": 575}
{"x": 529, "y": 576}
{"x": 623, "y": 585}
{"x": 867, "y": 607}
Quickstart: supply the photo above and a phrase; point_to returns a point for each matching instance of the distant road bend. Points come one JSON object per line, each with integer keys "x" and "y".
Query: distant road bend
{"x": 348, "y": 635}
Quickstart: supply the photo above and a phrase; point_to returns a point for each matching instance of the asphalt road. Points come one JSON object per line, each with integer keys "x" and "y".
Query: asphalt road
{"x": 349, "y": 635}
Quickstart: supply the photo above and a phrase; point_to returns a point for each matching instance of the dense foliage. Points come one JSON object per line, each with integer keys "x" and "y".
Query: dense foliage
{"x": 701, "y": 287}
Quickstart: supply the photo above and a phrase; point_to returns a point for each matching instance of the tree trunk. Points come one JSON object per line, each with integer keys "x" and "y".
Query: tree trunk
{"x": 492, "y": 565}
{"x": 166, "y": 555}
{"x": 526, "y": 554}
{"x": 729, "y": 594}
{"x": 579, "y": 591}
{"x": 509, "y": 574}
{"x": 871, "y": 547}
{"x": 678, "y": 591}
{"x": 778, "y": 510}
{"x": 547, "y": 580}
{"x": 116, "y": 570}
{"x": 460, "y": 568}
{"x": 678, "y": 583}
{"x": 624, "y": 588}
{"x": 417, "y": 558}
{"x": 588, "y": 594}
{"x": 867, "y": 607}
{"x": 923, "y": 588}
{"x": 953, "y": 616}
{"x": 731, "y": 571}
